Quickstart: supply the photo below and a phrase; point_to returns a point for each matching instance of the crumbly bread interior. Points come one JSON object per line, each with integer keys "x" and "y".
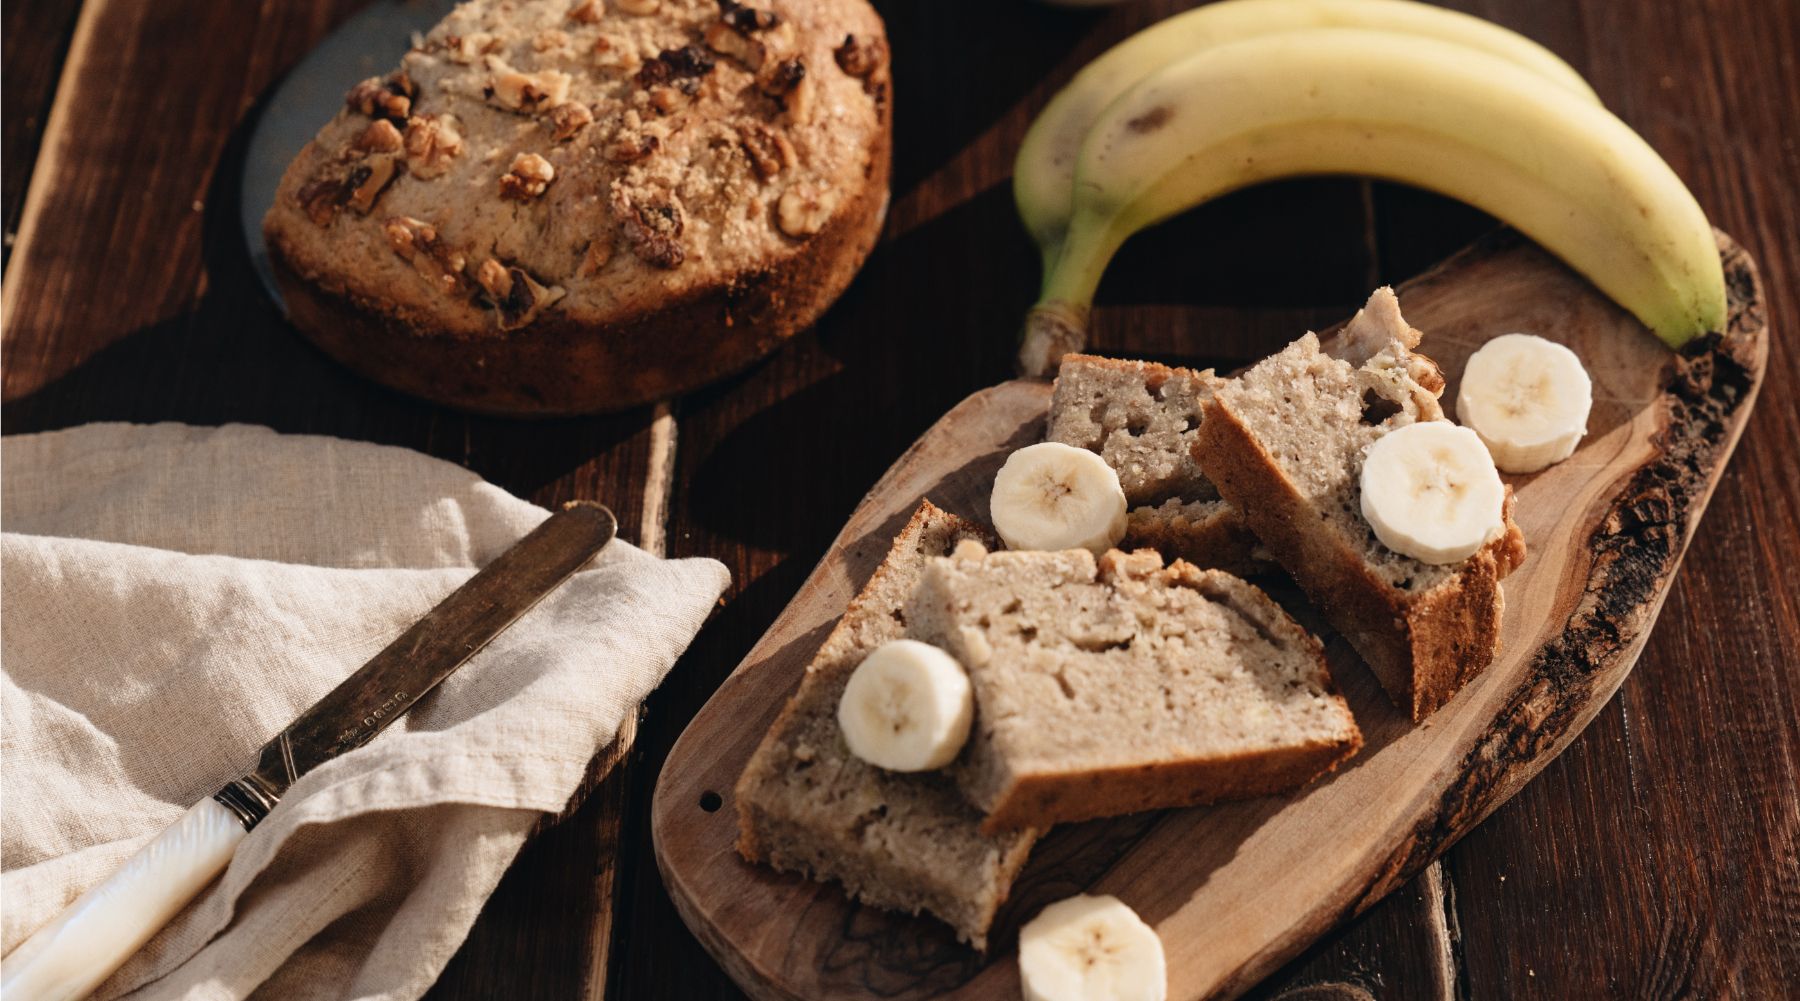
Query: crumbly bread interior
{"x": 1121, "y": 685}
{"x": 1285, "y": 442}
{"x": 1143, "y": 418}
{"x": 905, "y": 842}
{"x": 1317, "y": 411}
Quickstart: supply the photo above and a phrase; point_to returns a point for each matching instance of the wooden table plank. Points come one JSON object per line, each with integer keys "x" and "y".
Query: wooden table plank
{"x": 34, "y": 37}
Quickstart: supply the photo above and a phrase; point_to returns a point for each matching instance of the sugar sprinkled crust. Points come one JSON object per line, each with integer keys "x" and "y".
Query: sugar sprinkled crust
{"x": 568, "y": 168}
{"x": 906, "y": 842}
{"x": 1124, "y": 685}
{"x": 1285, "y": 442}
{"x": 1142, "y": 418}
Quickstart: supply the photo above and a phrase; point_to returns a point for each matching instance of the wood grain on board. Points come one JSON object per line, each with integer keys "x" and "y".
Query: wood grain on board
{"x": 1656, "y": 858}
{"x": 1236, "y": 890}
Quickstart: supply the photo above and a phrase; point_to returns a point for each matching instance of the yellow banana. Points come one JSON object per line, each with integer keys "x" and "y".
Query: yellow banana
{"x": 1420, "y": 111}
{"x": 1044, "y": 173}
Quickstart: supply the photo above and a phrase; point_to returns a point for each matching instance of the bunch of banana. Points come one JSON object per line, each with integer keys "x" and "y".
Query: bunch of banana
{"x": 1246, "y": 91}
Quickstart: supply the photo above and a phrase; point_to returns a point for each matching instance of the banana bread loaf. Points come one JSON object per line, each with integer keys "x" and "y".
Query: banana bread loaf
{"x": 901, "y": 841}
{"x": 1284, "y": 442}
{"x": 1142, "y": 418}
{"x": 558, "y": 206}
{"x": 1124, "y": 685}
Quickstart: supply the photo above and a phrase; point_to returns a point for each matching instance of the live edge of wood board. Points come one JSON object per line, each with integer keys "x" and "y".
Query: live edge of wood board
{"x": 1236, "y": 890}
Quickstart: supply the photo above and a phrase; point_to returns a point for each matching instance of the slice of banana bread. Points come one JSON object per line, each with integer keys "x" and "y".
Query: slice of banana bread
{"x": 902, "y": 841}
{"x": 1142, "y": 418}
{"x": 1124, "y": 685}
{"x": 1285, "y": 443}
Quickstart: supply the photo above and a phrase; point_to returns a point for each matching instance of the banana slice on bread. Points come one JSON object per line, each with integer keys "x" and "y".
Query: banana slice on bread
{"x": 907, "y": 707}
{"x": 1431, "y": 492}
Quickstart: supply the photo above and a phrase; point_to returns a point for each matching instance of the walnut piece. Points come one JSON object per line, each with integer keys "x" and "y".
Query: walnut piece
{"x": 587, "y": 11}
{"x": 529, "y": 176}
{"x": 639, "y": 7}
{"x": 787, "y": 82}
{"x": 652, "y": 228}
{"x": 598, "y": 253}
{"x": 630, "y": 146}
{"x": 417, "y": 243}
{"x": 321, "y": 198}
{"x": 369, "y": 179}
{"x": 432, "y": 141}
{"x": 861, "y": 55}
{"x": 746, "y": 19}
{"x": 670, "y": 65}
{"x": 518, "y": 298}
{"x": 379, "y": 137}
{"x": 770, "y": 152}
{"x": 804, "y": 209}
{"x": 382, "y": 98}
{"x": 549, "y": 39}
{"x": 526, "y": 93}
{"x": 733, "y": 44}
{"x": 568, "y": 118}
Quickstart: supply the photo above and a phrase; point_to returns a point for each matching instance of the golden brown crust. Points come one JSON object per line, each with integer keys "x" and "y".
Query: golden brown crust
{"x": 1064, "y": 797}
{"x": 1423, "y": 648}
{"x": 556, "y": 367}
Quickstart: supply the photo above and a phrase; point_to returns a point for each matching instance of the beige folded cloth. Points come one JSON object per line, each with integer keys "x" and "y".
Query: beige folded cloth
{"x": 174, "y": 596}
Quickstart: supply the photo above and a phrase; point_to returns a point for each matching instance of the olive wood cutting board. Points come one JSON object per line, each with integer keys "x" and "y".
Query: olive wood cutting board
{"x": 1235, "y": 890}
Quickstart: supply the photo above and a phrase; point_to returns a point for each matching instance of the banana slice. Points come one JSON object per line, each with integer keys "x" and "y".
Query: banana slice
{"x": 1528, "y": 399}
{"x": 907, "y": 707}
{"x": 1052, "y": 496}
{"x": 1431, "y": 492}
{"x": 1091, "y": 949}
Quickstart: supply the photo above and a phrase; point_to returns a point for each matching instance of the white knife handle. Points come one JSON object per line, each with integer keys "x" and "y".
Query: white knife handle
{"x": 69, "y": 957}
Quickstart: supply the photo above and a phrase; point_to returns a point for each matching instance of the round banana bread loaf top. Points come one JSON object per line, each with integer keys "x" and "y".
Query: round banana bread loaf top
{"x": 566, "y": 205}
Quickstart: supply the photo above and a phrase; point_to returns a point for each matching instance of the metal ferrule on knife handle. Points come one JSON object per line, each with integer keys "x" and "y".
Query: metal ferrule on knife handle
{"x": 67, "y": 958}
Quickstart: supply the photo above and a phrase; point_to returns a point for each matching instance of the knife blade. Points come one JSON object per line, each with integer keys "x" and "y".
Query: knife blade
{"x": 67, "y": 958}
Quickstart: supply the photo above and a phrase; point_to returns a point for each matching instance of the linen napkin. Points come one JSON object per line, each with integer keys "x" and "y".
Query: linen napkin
{"x": 175, "y": 595}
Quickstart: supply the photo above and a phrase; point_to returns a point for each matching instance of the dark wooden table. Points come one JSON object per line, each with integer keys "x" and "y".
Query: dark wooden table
{"x": 1658, "y": 858}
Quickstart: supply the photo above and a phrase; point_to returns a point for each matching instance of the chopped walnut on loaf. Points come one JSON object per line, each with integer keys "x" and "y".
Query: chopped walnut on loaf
{"x": 528, "y": 178}
{"x": 652, "y": 227}
{"x": 383, "y": 97}
{"x": 431, "y": 142}
{"x": 518, "y": 298}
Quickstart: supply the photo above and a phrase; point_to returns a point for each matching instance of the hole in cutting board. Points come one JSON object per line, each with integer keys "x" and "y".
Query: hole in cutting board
{"x": 711, "y": 801}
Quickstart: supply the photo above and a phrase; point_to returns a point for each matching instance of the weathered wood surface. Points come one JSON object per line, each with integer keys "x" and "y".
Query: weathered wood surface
{"x": 1236, "y": 890}
{"x": 1657, "y": 858}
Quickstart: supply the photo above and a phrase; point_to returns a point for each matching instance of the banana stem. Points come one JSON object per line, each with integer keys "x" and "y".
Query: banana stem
{"x": 1058, "y": 323}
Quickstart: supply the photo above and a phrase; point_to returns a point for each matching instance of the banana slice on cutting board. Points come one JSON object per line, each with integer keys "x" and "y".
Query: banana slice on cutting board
{"x": 1052, "y": 496}
{"x": 1528, "y": 398}
{"x": 1091, "y": 949}
{"x": 907, "y": 707}
{"x": 1430, "y": 491}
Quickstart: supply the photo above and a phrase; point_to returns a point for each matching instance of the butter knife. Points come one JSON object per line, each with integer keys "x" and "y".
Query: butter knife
{"x": 67, "y": 958}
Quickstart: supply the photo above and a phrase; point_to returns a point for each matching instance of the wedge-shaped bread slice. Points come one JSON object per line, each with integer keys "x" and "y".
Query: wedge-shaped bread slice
{"x": 1124, "y": 685}
{"x": 904, "y": 842}
{"x": 1142, "y": 418}
{"x": 1285, "y": 441}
